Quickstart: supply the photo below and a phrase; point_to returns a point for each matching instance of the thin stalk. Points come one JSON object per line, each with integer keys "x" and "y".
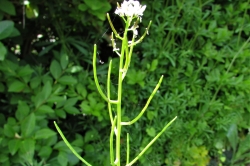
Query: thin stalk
{"x": 119, "y": 114}
{"x": 127, "y": 148}
{"x": 151, "y": 142}
{"x": 96, "y": 79}
{"x": 146, "y": 105}
{"x": 108, "y": 92}
{"x": 111, "y": 139}
{"x": 141, "y": 38}
{"x": 128, "y": 58}
{"x": 113, "y": 28}
{"x": 70, "y": 147}
{"x": 129, "y": 55}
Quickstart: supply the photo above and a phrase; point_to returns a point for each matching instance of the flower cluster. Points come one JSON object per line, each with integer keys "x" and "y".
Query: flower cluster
{"x": 130, "y": 8}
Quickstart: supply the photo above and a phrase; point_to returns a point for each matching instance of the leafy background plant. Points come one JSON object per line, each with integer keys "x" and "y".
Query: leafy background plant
{"x": 201, "y": 48}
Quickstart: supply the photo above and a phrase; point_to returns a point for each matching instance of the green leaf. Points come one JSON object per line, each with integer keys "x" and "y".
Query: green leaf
{"x": 43, "y": 95}
{"x": 16, "y": 86}
{"x": 78, "y": 142}
{"x": 13, "y": 145}
{"x": 23, "y": 110}
{"x": 47, "y": 78}
{"x": 80, "y": 48}
{"x": 55, "y": 99}
{"x": 70, "y": 102}
{"x": 3, "y": 51}
{"x": 9, "y": 67}
{"x": 94, "y": 4}
{"x": 6, "y": 28}
{"x": 98, "y": 14}
{"x": 35, "y": 82}
{"x": 9, "y": 131}
{"x": 232, "y": 135}
{"x": 73, "y": 160}
{"x": 62, "y": 158}
{"x": 27, "y": 149}
{"x": 85, "y": 107}
{"x": 61, "y": 113}
{"x": 55, "y": 69}
{"x": 44, "y": 133}
{"x": 136, "y": 77}
{"x": 151, "y": 131}
{"x": 14, "y": 33}
{"x": 61, "y": 146}
{"x": 7, "y": 7}
{"x": 244, "y": 146}
{"x": 81, "y": 90}
{"x": 51, "y": 141}
{"x": 64, "y": 60}
{"x": 3, "y": 158}
{"x": 47, "y": 89}
{"x": 223, "y": 34}
{"x": 45, "y": 152}
{"x": 219, "y": 144}
{"x": 89, "y": 148}
{"x": 24, "y": 71}
{"x": 67, "y": 80}
{"x": 75, "y": 69}
{"x": 82, "y": 7}
{"x": 11, "y": 121}
{"x": 38, "y": 100}
{"x": 47, "y": 49}
{"x": 153, "y": 65}
{"x": 71, "y": 110}
{"x": 99, "y": 107}
{"x": 150, "y": 115}
{"x": 105, "y": 7}
{"x": 101, "y": 11}
{"x": 44, "y": 109}
{"x": 91, "y": 135}
{"x": 28, "y": 125}
{"x": 58, "y": 89}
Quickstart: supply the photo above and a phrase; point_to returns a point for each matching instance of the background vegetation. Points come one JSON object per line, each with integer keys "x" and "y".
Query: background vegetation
{"x": 200, "y": 46}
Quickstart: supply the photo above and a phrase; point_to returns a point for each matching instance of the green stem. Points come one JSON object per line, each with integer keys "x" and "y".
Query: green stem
{"x": 96, "y": 79}
{"x": 127, "y": 148}
{"x": 128, "y": 53}
{"x": 70, "y": 147}
{"x": 145, "y": 33}
{"x": 146, "y": 105}
{"x": 108, "y": 92}
{"x": 111, "y": 142}
{"x": 113, "y": 121}
{"x": 119, "y": 114}
{"x": 113, "y": 28}
{"x": 151, "y": 142}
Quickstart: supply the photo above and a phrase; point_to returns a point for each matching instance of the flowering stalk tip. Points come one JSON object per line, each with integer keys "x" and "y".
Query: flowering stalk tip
{"x": 130, "y": 8}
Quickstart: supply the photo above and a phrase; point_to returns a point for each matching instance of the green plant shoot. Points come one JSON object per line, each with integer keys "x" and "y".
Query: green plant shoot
{"x": 131, "y": 13}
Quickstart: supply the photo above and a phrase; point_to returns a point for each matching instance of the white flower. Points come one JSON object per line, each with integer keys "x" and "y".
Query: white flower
{"x": 133, "y": 28}
{"x": 114, "y": 45}
{"x": 130, "y": 8}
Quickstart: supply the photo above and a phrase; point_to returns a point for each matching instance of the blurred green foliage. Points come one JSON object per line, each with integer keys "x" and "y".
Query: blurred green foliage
{"x": 201, "y": 47}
